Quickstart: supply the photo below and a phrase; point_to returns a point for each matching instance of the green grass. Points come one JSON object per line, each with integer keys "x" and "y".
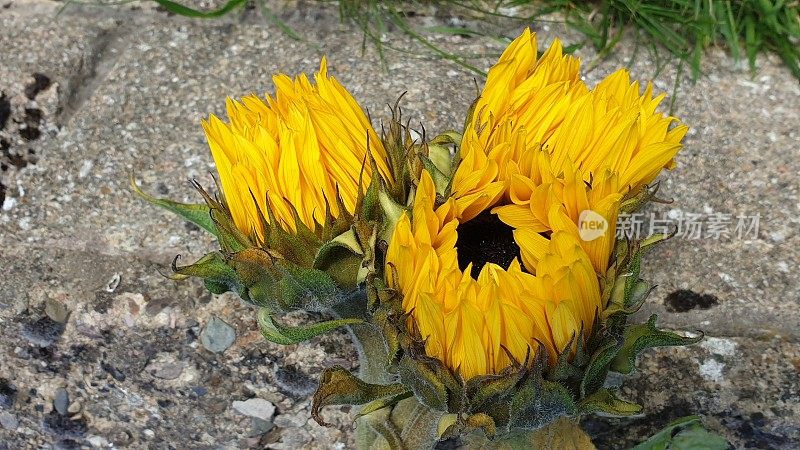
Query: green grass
{"x": 683, "y": 29}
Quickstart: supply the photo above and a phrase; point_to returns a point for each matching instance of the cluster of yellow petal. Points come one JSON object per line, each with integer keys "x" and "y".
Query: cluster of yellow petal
{"x": 475, "y": 326}
{"x": 539, "y": 138}
{"x": 298, "y": 151}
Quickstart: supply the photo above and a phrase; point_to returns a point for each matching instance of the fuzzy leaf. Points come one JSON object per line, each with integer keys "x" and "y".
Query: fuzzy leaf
{"x": 640, "y": 337}
{"x": 196, "y": 213}
{"x": 337, "y": 386}
{"x": 563, "y": 434}
{"x": 685, "y": 433}
{"x": 280, "y": 334}
{"x": 605, "y": 401}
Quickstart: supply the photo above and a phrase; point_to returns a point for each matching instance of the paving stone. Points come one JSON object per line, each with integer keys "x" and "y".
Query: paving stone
{"x": 95, "y": 95}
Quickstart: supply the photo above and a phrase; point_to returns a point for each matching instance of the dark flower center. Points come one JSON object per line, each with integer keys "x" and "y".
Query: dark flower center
{"x": 485, "y": 239}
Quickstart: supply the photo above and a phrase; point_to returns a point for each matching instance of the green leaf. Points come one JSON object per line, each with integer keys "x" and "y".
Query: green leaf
{"x": 605, "y": 401}
{"x": 181, "y": 10}
{"x": 337, "y": 386}
{"x": 281, "y": 334}
{"x": 686, "y": 433}
{"x": 197, "y": 213}
{"x": 640, "y": 337}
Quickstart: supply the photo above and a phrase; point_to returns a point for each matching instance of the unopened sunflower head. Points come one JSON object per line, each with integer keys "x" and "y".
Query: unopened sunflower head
{"x": 300, "y": 174}
{"x": 539, "y": 138}
{"x": 307, "y": 150}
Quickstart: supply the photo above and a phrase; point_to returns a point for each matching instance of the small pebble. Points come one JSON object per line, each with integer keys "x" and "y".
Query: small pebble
{"x": 56, "y": 311}
{"x": 217, "y": 335}
{"x": 166, "y": 370}
{"x": 97, "y": 441}
{"x": 255, "y": 407}
{"x": 61, "y": 401}
{"x": 8, "y": 421}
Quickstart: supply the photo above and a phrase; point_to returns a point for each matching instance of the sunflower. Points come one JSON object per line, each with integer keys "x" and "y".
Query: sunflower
{"x": 538, "y": 136}
{"x": 469, "y": 296}
{"x": 300, "y": 151}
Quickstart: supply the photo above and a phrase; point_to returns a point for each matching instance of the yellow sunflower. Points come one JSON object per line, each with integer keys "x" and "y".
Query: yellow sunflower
{"x": 538, "y": 137}
{"x": 298, "y": 150}
{"x": 469, "y": 296}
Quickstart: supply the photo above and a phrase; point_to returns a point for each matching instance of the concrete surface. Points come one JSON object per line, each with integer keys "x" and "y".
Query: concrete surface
{"x": 95, "y": 94}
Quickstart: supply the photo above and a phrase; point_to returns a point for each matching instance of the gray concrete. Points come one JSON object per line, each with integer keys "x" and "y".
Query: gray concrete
{"x": 128, "y": 89}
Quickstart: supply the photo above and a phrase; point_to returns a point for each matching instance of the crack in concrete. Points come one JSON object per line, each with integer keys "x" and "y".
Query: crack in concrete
{"x": 109, "y": 45}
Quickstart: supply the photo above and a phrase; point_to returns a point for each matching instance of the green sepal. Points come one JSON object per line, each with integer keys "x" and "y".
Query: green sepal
{"x": 427, "y": 386}
{"x": 381, "y": 403}
{"x": 627, "y": 306}
{"x": 685, "y": 433}
{"x": 439, "y": 151}
{"x": 299, "y": 246}
{"x": 539, "y": 402}
{"x": 568, "y": 363}
{"x": 606, "y": 401}
{"x": 654, "y": 239}
{"x": 645, "y": 195}
{"x": 371, "y": 208}
{"x": 483, "y": 389}
{"x": 196, "y": 213}
{"x": 280, "y": 285}
{"x": 596, "y": 371}
{"x": 213, "y": 269}
{"x": 640, "y": 337}
{"x": 281, "y": 334}
{"x": 391, "y": 335}
{"x": 341, "y": 258}
{"x": 441, "y": 181}
{"x": 392, "y": 211}
{"x": 230, "y": 238}
{"x": 466, "y": 425}
{"x": 632, "y": 278}
{"x": 337, "y": 386}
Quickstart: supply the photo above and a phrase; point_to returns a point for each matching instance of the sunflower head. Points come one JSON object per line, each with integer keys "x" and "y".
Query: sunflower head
{"x": 301, "y": 172}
